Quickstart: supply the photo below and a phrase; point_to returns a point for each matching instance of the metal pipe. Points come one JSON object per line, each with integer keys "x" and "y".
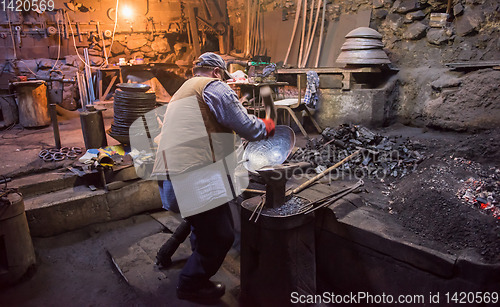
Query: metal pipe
{"x": 55, "y": 124}
{"x": 321, "y": 34}
{"x": 84, "y": 107}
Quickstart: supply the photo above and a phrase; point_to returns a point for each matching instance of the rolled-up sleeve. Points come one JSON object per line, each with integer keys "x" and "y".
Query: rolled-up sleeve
{"x": 229, "y": 112}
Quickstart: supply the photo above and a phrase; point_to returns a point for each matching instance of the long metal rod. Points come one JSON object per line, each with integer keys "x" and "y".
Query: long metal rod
{"x": 295, "y": 24}
{"x": 86, "y": 75}
{"x": 306, "y": 42}
{"x": 331, "y": 201}
{"x": 247, "y": 33}
{"x": 304, "y": 16}
{"x": 84, "y": 90}
{"x": 90, "y": 83}
{"x": 311, "y": 39}
{"x": 55, "y": 125}
{"x": 321, "y": 34}
{"x": 79, "y": 83}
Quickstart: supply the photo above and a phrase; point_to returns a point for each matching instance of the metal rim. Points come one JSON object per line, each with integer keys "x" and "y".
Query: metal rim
{"x": 274, "y": 150}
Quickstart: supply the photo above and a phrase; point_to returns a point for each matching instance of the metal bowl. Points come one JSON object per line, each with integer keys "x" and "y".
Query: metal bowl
{"x": 133, "y": 87}
{"x": 271, "y": 151}
{"x": 364, "y": 32}
{"x": 368, "y": 57}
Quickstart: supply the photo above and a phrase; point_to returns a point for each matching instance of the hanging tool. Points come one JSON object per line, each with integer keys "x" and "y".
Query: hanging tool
{"x": 193, "y": 25}
{"x": 78, "y": 31}
{"x": 65, "y": 21}
{"x": 208, "y": 9}
{"x": 101, "y": 37}
{"x": 18, "y": 36}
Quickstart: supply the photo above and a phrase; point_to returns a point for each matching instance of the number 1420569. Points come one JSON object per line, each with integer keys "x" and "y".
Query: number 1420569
{"x": 27, "y": 5}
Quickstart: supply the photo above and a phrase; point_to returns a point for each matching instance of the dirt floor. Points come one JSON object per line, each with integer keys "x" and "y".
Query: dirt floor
{"x": 75, "y": 269}
{"x": 431, "y": 203}
{"x": 450, "y": 198}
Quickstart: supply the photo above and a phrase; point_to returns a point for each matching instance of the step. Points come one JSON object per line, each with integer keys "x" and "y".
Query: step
{"x": 48, "y": 182}
{"x": 75, "y": 207}
{"x": 44, "y": 183}
{"x": 157, "y": 286}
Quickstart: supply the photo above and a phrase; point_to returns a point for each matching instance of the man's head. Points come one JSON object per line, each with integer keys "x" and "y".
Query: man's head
{"x": 211, "y": 64}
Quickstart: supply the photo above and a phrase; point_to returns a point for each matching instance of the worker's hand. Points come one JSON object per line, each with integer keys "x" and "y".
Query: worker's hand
{"x": 270, "y": 126}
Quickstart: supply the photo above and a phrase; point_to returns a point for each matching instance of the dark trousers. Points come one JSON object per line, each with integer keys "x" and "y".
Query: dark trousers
{"x": 213, "y": 237}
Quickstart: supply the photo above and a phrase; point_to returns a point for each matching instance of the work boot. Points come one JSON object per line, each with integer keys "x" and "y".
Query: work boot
{"x": 210, "y": 290}
{"x": 164, "y": 255}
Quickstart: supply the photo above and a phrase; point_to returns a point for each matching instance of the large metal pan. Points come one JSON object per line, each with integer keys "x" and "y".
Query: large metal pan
{"x": 271, "y": 151}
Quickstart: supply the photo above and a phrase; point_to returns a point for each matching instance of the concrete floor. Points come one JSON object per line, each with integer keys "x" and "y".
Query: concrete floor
{"x": 19, "y": 147}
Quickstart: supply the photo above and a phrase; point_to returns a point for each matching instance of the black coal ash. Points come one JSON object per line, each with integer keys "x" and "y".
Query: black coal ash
{"x": 380, "y": 157}
{"x": 292, "y": 206}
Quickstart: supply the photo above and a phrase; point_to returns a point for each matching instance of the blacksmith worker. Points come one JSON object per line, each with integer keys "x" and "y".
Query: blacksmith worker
{"x": 196, "y": 159}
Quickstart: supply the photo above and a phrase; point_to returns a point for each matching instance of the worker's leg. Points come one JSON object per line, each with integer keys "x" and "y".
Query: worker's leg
{"x": 214, "y": 236}
{"x": 164, "y": 255}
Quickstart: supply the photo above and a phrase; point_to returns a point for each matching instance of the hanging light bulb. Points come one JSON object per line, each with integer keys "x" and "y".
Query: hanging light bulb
{"x": 127, "y": 12}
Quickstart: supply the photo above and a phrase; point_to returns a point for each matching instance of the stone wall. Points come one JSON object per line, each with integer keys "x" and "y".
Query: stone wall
{"x": 421, "y": 51}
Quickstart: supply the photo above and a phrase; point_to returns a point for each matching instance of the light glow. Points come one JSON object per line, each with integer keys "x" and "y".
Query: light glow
{"x": 127, "y": 12}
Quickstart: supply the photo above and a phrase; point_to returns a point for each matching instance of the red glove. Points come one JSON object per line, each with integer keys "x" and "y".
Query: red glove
{"x": 269, "y": 126}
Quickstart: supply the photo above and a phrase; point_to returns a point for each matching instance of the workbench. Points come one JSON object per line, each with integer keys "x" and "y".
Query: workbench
{"x": 345, "y": 72}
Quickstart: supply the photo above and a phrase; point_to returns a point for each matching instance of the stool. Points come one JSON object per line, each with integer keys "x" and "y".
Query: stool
{"x": 292, "y": 105}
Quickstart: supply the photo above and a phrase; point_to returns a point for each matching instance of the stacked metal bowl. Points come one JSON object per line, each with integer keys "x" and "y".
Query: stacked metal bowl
{"x": 363, "y": 46}
{"x": 131, "y": 102}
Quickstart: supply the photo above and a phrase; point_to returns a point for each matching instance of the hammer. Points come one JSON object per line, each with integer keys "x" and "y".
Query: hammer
{"x": 267, "y": 97}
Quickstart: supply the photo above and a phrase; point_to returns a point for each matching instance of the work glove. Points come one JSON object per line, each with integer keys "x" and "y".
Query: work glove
{"x": 270, "y": 127}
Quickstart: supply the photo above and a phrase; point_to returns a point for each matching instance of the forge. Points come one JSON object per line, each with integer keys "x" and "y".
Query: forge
{"x": 277, "y": 244}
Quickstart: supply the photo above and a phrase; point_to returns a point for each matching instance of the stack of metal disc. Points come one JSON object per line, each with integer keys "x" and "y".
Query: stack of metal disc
{"x": 363, "y": 46}
{"x": 132, "y": 103}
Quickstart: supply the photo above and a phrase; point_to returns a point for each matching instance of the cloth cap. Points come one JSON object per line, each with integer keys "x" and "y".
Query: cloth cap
{"x": 210, "y": 59}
